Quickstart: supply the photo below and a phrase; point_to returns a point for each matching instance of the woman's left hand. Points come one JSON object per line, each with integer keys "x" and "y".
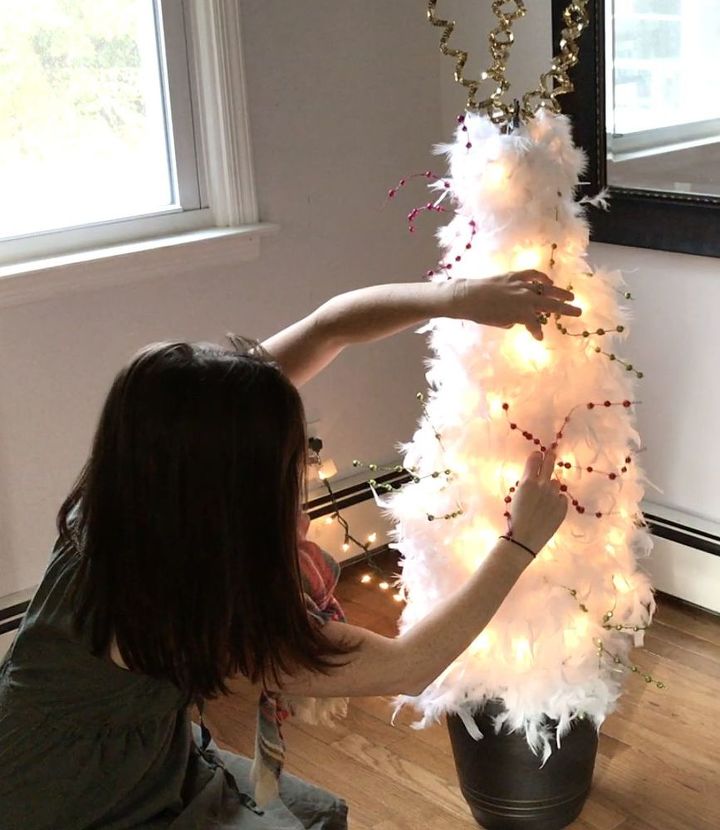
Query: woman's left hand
{"x": 517, "y": 297}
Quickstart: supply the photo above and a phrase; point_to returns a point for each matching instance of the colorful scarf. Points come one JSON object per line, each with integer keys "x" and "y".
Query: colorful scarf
{"x": 320, "y": 574}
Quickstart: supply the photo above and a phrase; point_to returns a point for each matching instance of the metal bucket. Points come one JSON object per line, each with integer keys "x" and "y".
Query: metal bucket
{"x": 503, "y": 783}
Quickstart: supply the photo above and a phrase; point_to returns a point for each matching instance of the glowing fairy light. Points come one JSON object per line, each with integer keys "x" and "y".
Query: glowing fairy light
{"x": 527, "y": 259}
{"x": 621, "y": 583}
{"x": 494, "y": 404}
{"x": 581, "y": 301}
{"x": 372, "y": 538}
{"x": 474, "y": 543}
{"x": 495, "y": 175}
{"x": 383, "y": 586}
{"x": 575, "y": 633}
{"x": 345, "y": 547}
{"x": 328, "y": 520}
{"x": 616, "y": 537}
{"x": 521, "y": 651}
{"x": 365, "y": 578}
{"x": 509, "y": 474}
{"x": 483, "y": 642}
{"x": 521, "y": 348}
{"x": 398, "y": 597}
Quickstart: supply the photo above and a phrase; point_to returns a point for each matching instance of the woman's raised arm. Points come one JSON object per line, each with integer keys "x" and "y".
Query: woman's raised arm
{"x": 308, "y": 346}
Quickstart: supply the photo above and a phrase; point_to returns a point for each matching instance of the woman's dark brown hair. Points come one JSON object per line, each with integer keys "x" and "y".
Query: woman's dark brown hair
{"x": 185, "y": 519}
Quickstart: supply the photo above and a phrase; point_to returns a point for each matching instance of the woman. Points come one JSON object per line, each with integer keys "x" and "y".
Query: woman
{"x": 176, "y": 574}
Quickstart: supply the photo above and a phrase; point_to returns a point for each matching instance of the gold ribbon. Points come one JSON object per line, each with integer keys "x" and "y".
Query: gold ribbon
{"x": 552, "y": 84}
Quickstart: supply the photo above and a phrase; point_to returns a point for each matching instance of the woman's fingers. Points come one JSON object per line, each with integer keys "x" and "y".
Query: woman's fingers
{"x": 533, "y": 465}
{"x": 549, "y": 287}
{"x": 533, "y": 276}
{"x": 548, "y": 465}
{"x": 550, "y": 306}
{"x": 533, "y": 325}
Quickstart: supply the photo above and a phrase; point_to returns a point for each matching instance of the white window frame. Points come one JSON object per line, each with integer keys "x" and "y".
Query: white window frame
{"x": 225, "y": 205}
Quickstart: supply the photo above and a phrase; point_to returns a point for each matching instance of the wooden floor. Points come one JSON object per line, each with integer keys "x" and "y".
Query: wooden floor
{"x": 658, "y": 765}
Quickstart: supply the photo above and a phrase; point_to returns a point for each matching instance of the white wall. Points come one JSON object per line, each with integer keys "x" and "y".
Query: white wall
{"x": 675, "y": 340}
{"x": 675, "y": 336}
{"x": 344, "y": 101}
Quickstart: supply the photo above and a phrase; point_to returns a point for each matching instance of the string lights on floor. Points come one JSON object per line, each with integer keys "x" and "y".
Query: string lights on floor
{"x": 374, "y": 574}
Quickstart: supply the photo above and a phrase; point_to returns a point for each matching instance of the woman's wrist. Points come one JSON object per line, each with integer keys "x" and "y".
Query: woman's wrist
{"x": 450, "y": 298}
{"x": 516, "y": 552}
{"x": 510, "y": 538}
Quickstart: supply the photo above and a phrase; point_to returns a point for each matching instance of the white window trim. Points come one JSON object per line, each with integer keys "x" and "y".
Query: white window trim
{"x": 663, "y": 140}
{"x": 225, "y": 129}
{"x": 231, "y": 225}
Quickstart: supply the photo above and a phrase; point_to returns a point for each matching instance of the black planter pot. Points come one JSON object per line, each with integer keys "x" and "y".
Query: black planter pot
{"x": 503, "y": 784}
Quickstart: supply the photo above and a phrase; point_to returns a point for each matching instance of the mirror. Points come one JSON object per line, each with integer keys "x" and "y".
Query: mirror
{"x": 662, "y": 98}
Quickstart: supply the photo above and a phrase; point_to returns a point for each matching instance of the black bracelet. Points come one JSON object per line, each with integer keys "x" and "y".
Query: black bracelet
{"x": 520, "y": 544}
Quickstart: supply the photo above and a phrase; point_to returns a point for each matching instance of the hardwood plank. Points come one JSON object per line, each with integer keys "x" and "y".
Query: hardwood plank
{"x": 685, "y": 640}
{"x": 392, "y": 767}
{"x": 703, "y": 624}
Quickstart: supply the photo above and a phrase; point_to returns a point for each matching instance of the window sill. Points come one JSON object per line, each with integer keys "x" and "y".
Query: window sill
{"x": 40, "y": 279}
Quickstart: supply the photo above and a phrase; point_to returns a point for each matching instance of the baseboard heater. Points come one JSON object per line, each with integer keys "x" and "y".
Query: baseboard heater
{"x": 679, "y": 566}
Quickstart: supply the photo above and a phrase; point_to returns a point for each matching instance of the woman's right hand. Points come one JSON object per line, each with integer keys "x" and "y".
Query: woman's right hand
{"x": 538, "y": 505}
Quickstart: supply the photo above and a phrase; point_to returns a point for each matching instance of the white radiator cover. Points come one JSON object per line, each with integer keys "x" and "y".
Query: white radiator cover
{"x": 679, "y": 568}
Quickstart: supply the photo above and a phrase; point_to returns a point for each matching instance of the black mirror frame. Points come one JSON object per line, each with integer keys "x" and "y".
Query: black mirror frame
{"x": 639, "y": 218}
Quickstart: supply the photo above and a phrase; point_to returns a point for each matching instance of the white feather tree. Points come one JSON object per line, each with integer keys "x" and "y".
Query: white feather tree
{"x": 558, "y": 646}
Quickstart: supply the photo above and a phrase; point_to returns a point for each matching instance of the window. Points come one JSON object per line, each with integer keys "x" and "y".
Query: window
{"x": 122, "y": 120}
{"x": 659, "y": 53}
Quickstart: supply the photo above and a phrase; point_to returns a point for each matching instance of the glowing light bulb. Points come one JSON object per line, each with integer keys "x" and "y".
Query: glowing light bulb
{"x": 398, "y": 597}
{"x": 509, "y": 473}
{"x": 372, "y": 538}
{"x": 521, "y": 651}
{"x": 327, "y": 469}
{"x": 474, "y": 544}
{"x": 581, "y": 301}
{"x": 574, "y": 633}
{"x": 615, "y": 536}
{"x": 483, "y": 642}
{"x": 622, "y": 584}
{"x": 383, "y": 586}
{"x": 522, "y": 348}
{"x": 495, "y": 175}
{"x": 527, "y": 259}
{"x": 365, "y": 578}
{"x": 328, "y": 520}
{"x": 495, "y": 405}
{"x": 345, "y": 547}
